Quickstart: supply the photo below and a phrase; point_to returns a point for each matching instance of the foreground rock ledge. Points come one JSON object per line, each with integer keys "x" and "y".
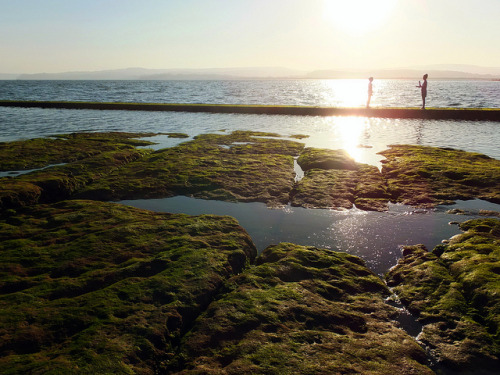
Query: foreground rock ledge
{"x": 455, "y": 292}
{"x": 300, "y": 310}
{"x": 91, "y": 287}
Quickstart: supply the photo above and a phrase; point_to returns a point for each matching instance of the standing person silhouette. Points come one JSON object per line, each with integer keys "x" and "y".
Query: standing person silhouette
{"x": 370, "y": 92}
{"x": 423, "y": 88}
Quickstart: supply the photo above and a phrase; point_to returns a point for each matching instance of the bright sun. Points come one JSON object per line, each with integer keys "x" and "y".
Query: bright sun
{"x": 358, "y": 16}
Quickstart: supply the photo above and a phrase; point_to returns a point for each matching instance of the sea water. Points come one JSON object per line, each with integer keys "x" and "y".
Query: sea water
{"x": 309, "y": 92}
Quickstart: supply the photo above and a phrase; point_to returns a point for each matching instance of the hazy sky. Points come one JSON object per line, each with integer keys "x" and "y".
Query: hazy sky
{"x": 68, "y": 35}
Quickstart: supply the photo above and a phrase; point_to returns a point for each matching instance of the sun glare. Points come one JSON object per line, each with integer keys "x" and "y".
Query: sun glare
{"x": 358, "y": 16}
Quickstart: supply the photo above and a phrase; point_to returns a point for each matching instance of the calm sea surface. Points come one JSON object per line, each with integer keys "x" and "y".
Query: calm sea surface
{"x": 335, "y": 92}
{"x": 376, "y": 237}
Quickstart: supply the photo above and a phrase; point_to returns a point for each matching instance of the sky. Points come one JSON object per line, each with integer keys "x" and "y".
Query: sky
{"x": 73, "y": 35}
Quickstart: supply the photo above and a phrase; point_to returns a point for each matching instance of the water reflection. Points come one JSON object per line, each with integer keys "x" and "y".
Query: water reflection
{"x": 353, "y": 134}
{"x": 344, "y": 92}
{"x": 419, "y": 127}
{"x": 376, "y": 237}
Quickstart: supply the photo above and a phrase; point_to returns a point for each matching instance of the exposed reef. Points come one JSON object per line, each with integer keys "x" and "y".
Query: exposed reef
{"x": 92, "y": 287}
{"x": 301, "y": 310}
{"x": 332, "y": 179}
{"x": 84, "y": 158}
{"x": 487, "y": 114}
{"x": 455, "y": 293}
{"x": 242, "y": 166}
{"x": 428, "y": 176}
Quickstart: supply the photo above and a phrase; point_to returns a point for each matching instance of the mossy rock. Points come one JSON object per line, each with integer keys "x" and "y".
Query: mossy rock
{"x": 300, "y": 310}
{"x": 455, "y": 292}
{"x": 91, "y": 287}
{"x": 334, "y": 180}
{"x": 64, "y": 148}
{"x": 315, "y": 158}
{"x": 427, "y": 176}
{"x": 241, "y": 166}
{"x": 80, "y": 159}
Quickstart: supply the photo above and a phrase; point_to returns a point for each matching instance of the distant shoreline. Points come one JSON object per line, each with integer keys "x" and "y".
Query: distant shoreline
{"x": 224, "y": 78}
{"x": 442, "y": 72}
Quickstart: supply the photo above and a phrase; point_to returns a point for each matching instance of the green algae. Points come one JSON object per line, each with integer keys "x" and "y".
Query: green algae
{"x": 82, "y": 158}
{"x": 89, "y": 287}
{"x": 455, "y": 292}
{"x": 65, "y": 148}
{"x": 177, "y": 135}
{"x": 95, "y": 288}
{"x": 488, "y": 114}
{"x": 300, "y": 310}
{"x": 241, "y": 166}
{"x": 428, "y": 176}
{"x": 332, "y": 179}
{"x": 60, "y": 182}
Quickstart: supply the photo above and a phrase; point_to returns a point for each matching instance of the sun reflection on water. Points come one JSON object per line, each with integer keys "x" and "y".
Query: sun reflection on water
{"x": 345, "y": 92}
{"x": 352, "y": 134}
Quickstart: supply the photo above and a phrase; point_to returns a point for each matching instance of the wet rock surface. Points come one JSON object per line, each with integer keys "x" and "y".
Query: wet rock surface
{"x": 91, "y": 287}
{"x": 301, "y": 310}
{"x": 428, "y": 176}
{"x": 243, "y": 166}
{"x": 84, "y": 158}
{"x": 332, "y": 179}
{"x": 455, "y": 292}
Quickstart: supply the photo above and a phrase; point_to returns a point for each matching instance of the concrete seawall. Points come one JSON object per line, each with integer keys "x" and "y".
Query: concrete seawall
{"x": 485, "y": 114}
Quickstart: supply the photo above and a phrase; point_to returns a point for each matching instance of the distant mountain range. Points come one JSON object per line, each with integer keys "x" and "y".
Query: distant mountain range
{"x": 470, "y": 72}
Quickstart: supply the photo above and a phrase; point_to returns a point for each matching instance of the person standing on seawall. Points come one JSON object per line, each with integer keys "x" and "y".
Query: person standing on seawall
{"x": 370, "y": 92}
{"x": 423, "y": 88}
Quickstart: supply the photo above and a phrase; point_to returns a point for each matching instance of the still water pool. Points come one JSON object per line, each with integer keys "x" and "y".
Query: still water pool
{"x": 374, "y": 236}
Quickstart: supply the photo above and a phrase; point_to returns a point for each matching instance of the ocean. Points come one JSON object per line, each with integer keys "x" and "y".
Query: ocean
{"x": 376, "y": 237}
{"x": 330, "y": 93}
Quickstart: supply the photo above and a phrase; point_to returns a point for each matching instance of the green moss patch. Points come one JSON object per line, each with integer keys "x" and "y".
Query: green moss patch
{"x": 332, "y": 179}
{"x": 455, "y": 291}
{"x": 65, "y": 148}
{"x": 428, "y": 176}
{"x": 86, "y": 157}
{"x": 90, "y": 287}
{"x": 241, "y": 166}
{"x": 300, "y": 310}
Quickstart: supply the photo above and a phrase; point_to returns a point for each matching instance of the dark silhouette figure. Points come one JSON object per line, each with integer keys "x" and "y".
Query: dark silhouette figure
{"x": 370, "y": 92}
{"x": 423, "y": 88}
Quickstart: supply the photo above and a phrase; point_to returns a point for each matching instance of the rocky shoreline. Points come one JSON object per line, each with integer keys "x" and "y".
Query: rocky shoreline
{"x": 96, "y": 287}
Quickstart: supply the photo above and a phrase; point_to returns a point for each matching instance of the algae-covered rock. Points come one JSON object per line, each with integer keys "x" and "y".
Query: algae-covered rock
{"x": 91, "y": 287}
{"x": 428, "y": 176}
{"x": 455, "y": 292}
{"x": 64, "y": 148}
{"x": 241, "y": 166}
{"x": 314, "y": 158}
{"x": 300, "y": 310}
{"x": 332, "y": 179}
{"x": 79, "y": 159}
